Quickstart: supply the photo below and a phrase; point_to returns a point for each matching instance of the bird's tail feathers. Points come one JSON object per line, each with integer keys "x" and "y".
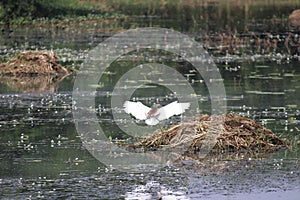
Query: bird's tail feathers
{"x": 151, "y": 121}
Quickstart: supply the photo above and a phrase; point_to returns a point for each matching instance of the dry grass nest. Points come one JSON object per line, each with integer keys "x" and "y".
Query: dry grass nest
{"x": 236, "y": 133}
{"x": 33, "y": 63}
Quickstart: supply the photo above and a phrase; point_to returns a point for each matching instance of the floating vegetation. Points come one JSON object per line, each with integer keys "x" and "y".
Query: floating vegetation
{"x": 239, "y": 134}
{"x": 33, "y": 63}
{"x": 265, "y": 93}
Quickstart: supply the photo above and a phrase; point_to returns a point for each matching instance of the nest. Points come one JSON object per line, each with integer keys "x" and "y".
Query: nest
{"x": 232, "y": 133}
{"x": 33, "y": 63}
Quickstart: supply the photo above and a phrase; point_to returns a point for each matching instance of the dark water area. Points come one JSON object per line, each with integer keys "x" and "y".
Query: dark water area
{"x": 42, "y": 155}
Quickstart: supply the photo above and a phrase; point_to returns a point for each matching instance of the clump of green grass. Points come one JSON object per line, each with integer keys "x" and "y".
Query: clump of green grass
{"x": 43, "y": 11}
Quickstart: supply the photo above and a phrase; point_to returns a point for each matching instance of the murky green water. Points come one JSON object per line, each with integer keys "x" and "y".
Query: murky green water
{"x": 42, "y": 156}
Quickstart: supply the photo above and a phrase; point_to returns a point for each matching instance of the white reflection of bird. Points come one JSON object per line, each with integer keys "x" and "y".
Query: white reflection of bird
{"x": 154, "y": 115}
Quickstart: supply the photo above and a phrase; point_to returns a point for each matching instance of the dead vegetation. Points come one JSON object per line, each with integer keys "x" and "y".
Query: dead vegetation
{"x": 234, "y": 134}
{"x": 33, "y": 63}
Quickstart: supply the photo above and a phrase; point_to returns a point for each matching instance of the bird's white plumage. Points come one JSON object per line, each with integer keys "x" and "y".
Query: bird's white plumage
{"x": 137, "y": 109}
{"x": 171, "y": 109}
{"x": 140, "y": 111}
{"x": 152, "y": 121}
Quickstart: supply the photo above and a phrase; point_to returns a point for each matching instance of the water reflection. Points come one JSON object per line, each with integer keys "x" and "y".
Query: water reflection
{"x": 153, "y": 190}
{"x": 31, "y": 84}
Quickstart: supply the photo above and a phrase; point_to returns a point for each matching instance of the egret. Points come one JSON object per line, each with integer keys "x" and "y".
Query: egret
{"x": 156, "y": 113}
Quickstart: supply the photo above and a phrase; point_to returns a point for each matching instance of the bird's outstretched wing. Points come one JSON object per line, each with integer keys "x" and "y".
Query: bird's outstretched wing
{"x": 137, "y": 109}
{"x": 171, "y": 109}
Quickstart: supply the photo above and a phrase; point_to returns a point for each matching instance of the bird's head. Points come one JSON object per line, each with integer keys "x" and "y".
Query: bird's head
{"x": 156, "y": 106}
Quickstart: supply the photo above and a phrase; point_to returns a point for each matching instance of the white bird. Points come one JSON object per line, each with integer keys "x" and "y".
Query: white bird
{"x": 154, "y": 115}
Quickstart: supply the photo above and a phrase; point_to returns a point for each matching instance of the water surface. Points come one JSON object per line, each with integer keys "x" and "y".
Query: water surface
{"x": 42, "y": 156}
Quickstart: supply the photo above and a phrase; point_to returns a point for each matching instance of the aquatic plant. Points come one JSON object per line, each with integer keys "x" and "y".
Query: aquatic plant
{"x": 43, "y": 11}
